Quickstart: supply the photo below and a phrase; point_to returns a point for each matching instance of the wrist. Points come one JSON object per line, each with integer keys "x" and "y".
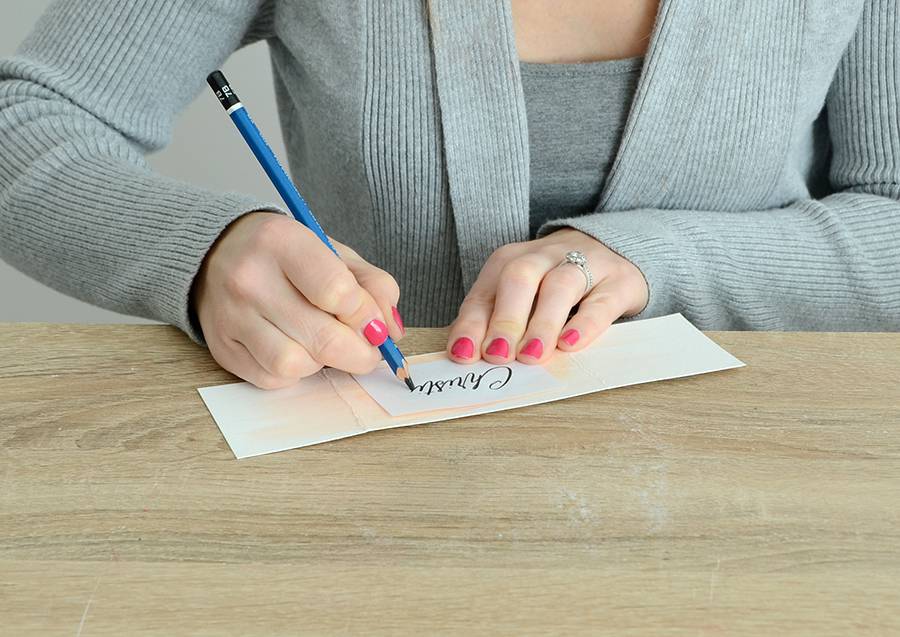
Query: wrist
{"x": 198, "y": 285}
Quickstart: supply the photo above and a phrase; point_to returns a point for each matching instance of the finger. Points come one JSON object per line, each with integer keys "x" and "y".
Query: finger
{"x": 560, "y": 290}
{"x": 516, "y": 291}
{"x": 466, "y": 333}
{"x": 326, "y": 340}
{"x": 278, "y": 354}
{"x": 328, "y": 283}
{"x": 382, "y": 287}
{"x": 235, "y": 358}
{"x": 596, "y": 312}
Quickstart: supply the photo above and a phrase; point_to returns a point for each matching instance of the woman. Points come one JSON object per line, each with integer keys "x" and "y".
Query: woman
{"x": 738, "y": 162}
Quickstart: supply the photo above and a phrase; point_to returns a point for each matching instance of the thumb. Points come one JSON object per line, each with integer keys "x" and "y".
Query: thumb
{"x": 596, "y": 312}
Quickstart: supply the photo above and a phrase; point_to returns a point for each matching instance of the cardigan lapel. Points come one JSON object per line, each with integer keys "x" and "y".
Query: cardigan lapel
{"x": 484, "y": 126}
{"x": 666, "y": 60}
{"x": 707, "y": 60}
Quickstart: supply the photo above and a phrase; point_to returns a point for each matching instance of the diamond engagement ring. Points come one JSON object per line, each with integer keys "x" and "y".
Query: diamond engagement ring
{"x": 578, "y": 259}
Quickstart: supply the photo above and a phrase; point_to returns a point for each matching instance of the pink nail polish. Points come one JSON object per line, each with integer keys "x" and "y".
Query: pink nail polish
{"x": 533, "y": 348}
{"x": 463, "y": 347}
{"x": 498, "y": 347}
{"x": 571, "y": 337}
{"x": 376, "y": 332}
{"x": 398, "y": 320}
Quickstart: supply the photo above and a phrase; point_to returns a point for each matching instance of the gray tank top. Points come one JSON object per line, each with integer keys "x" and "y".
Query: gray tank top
{"x": 576, "y": 116}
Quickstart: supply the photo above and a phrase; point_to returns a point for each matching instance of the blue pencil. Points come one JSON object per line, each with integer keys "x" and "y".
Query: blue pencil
{"x": 291, "y": 196}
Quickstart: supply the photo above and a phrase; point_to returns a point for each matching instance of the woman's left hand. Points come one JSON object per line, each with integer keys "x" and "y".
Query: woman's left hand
{"x": 519, "y": 306}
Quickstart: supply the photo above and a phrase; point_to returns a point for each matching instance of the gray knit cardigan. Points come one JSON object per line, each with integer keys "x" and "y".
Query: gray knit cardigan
{"x": 756, "y": 185}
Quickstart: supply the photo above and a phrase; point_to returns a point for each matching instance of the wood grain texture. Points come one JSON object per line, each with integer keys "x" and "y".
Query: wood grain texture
{"x": 750, "y": 501}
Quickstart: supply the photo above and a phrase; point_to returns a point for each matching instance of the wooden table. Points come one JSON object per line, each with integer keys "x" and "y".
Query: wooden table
{"x": 764, "y": 500}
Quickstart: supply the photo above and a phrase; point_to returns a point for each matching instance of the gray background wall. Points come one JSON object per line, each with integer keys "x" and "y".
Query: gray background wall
{"x": 198, "y": 145}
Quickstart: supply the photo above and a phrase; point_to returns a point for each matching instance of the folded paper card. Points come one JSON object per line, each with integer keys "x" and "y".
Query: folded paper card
{"x": 334, "y": 404}
{"x": 443, "y": 384}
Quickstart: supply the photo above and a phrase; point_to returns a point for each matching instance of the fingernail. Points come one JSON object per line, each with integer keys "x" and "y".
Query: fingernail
{"x": 533, "y": 348}
{"x": 571, "y": 337}
{"x": 398, "y": 320}
{"x": 463, "y": 347}
{"x": 376, "y": 332}
{"x": 498, "y": 347}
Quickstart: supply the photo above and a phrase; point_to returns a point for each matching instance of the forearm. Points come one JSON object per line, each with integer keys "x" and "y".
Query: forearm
{"x": 80, "y": 208}
{"x": 817, "y": 265}
{"x": 82, "y": 213}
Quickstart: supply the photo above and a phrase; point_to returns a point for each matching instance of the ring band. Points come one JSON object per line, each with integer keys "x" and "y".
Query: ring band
{"x": 578, "y": 259}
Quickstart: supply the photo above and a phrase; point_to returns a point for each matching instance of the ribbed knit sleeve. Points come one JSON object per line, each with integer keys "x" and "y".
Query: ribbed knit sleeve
{"x": 94, "y": 88}
{"x": 829, "y": 264}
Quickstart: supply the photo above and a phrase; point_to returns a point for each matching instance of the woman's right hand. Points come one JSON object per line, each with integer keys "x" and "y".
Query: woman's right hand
{"x": 276, "y": 305}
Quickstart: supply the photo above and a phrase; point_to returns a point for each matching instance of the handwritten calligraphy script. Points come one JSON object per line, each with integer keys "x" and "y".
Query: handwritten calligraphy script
{"x": 442, "y": 384}
{"x": 471, "y": 381}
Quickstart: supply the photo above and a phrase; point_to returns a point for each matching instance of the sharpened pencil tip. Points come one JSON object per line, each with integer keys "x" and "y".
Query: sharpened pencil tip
{"x": 410, "y": 384}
